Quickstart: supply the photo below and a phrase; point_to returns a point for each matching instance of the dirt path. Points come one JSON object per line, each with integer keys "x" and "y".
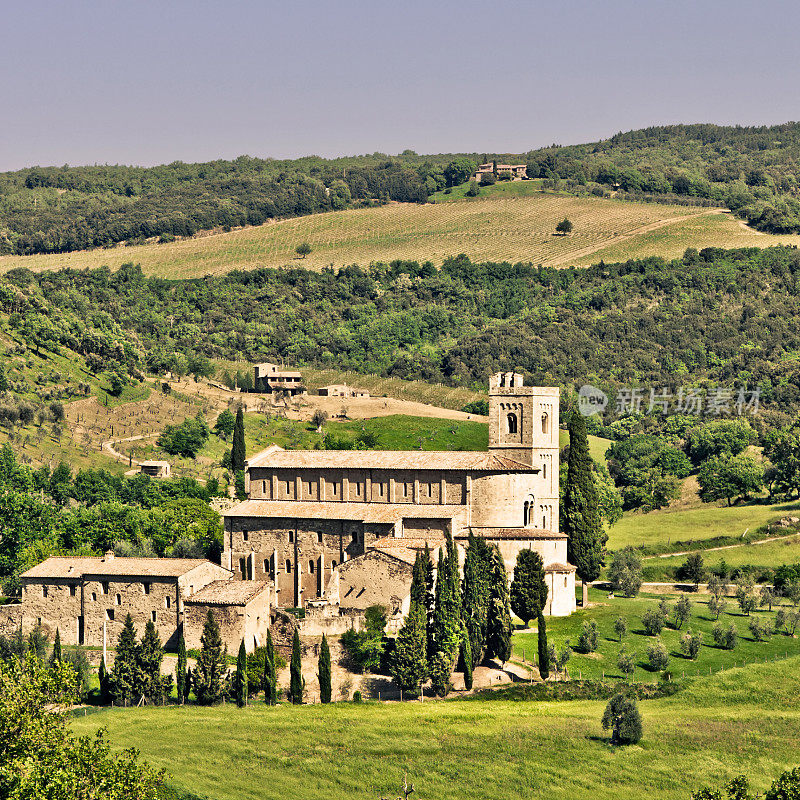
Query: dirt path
{"x": 589, "y": 250}
{"x": 724, "y": 547}
{"x": 108, "y": 448}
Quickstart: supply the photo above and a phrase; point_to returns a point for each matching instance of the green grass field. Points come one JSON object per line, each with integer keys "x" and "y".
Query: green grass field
{"x": 505, "y": 224}
{"x": 740, "y": 721}
{"x": 762, "y": 556}
{"x": 693, "y": 524}
{"x": 604, "y": 661}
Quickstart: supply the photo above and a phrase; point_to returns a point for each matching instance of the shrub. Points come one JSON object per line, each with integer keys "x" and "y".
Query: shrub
{"x": 625, "y": 571}
{"x": 587, "y": 641}
{"x": 657, "y": 655}
{"x": 621, "y": 628}
{"x": 626, "y": 663}
{"x": 780, "y": 620}
{"x": 623, "y": 718}
{"x": 681, "y": 612}
{"x": 760, "y": 630}
{"x": 690, "y": 644}
{"x": 727, "y": 639}
{"x": 653, "y": 621}
{"x": 357, "y": 696}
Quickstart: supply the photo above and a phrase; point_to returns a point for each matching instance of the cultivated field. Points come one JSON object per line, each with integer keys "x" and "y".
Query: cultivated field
{"x": 741, "y": 720}
{"x": 498, "y": 226}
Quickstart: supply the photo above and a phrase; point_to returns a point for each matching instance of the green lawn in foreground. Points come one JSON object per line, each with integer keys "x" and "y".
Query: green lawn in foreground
{"x": 604, "y": 661}
{"x": 693, "y": 524}
{"x": 741, "y": 721}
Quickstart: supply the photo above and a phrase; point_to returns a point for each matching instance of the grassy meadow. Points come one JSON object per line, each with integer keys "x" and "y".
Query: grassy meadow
{"x": 497, "y": 226}
{"x": 741, "y": 720}
{"x": 605, "y": 610}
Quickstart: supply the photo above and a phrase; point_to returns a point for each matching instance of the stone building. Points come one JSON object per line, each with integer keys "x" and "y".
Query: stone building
{"x": 269, "y": 378}
{"x": 88, "y": 598}
{"x": 341, "y": 390}
{"x": 309, "y": 513}
{"x": 517, "y": 172}
{"x": 156, "y": 469}
{"x": 241, "y": 608}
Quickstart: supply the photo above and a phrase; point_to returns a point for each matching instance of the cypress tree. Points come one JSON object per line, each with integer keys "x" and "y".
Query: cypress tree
{"x": 181, "y": 676}
{"x": 240, "y": 678}
{"x": 238, "y": 454}
{"x": 529, "y": 587}
{"x": 151, "y": 683}
{"x": 446, "y": 620}
{"x": 580, "y": 511}
{"x": 124, "y": 680}
{"x": 324, "y": 671}
{"x": 296, "y": 677}
{"x": 466, "y": 658}
{"x": 409, "y": 665}
{"x": 476, "y": 594}
{"x": 541, "y": 641}
{"x": 429, "y": 601}
{"x": 103, "y": 678}
{"x": 498, "y": 637}
{"x": 209, "y": 677}
{"x": 270, "y": 685}
{"x": 55, "y": 656}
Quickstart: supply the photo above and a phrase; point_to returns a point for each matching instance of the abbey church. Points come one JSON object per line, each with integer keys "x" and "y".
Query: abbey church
{"x": 341, "y": 528}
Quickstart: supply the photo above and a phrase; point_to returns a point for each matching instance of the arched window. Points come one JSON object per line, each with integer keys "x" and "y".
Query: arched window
{"x": 544, "y": 470}
{"x": 544, "y": 522}
{"x": 512, "y": 423}
{"x": 545, "y": 422}
{"x": 527, "y": 512}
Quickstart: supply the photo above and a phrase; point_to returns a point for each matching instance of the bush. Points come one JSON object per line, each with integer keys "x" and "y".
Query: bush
{"x": 185, "y": 439}
{"x": 657, "y": 655}
{"x": 626, "y": 662}
{"x": 625, "y": 571}
{"x": 587, "y": 641}
{"x": 366, "y": 647}
{"x": 357, "y": 696}
{"x": 727, "y": 639}
{"x": 760, "y": 630}
{"x": 621, "y": 628}
{"x": 690, "y": 644}
{"x": 623, "y": 718}
{"x": 653, "y": 621}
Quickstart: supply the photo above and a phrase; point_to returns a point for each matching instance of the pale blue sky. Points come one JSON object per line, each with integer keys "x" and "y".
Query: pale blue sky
{"x": 101, "y": 81}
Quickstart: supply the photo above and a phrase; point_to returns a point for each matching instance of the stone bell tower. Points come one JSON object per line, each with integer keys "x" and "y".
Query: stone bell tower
{"x": 523, "y": 426}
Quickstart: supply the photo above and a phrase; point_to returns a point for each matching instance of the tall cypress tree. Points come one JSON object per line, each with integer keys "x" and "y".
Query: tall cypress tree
{"x": 296, "y": 671}
{"x": 580, "y": 515}
{"x": 324, "y": 671}
{"x": 476, "y": 594}
{"x": 541, "y": 643}
{"x": 124, "y": 679}
{"x": 180, "y": 671}
{"x": 55, "y": 656}
{"x": 240, "y": 677}
{"x": 446, "y": 620}
{"x": 103, "y": 679}
{"x": 209, "y": 677}
{"x": 151, "y": 683}
{"x": 498, "y": 639}
{"x": 270, "y": 684}
{"x": 238, "y": 454}
{"x": 429, "y": 601}
{"x": 529, "y": 587}
{"x": 409, "y": 664}
{"x": 466, "y": 658}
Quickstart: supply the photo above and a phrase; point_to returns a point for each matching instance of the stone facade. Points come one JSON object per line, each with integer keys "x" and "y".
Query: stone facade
{"x": 241, "y": 609}
{"x": 310, "y": 513}
{"x": 269, "y": 378}
{"x": 88, "y": 598}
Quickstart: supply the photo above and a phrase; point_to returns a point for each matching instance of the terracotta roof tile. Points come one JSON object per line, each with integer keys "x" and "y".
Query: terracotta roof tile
{"x": 469, "y": 461}
{"x": 511, "y": 533}
{"x": 556, "y": 567}
{"x": 228, "y": 593}
{"x": 364, "y": 512}
{"x": 79, "y": 566}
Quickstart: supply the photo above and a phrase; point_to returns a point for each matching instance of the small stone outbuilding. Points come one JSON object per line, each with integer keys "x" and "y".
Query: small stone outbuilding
{"x": 240, "y": 608}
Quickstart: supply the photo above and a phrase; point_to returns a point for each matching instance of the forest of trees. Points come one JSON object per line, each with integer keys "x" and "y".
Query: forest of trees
{"x": 753, "y": 171}
{"x": 608, "y": 325}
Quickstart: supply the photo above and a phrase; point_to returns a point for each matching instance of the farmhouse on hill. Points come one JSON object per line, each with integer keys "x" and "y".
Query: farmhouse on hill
{"x": 269, "y": 378}
{"x": 341, "y": 390}
{"x": 342, "y": 527}
{"x": 516, "y": 172}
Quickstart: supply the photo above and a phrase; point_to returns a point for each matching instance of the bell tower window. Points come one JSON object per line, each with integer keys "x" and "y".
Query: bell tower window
{"x": 545, "y": 423}
{"x": 512, "y": 423}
